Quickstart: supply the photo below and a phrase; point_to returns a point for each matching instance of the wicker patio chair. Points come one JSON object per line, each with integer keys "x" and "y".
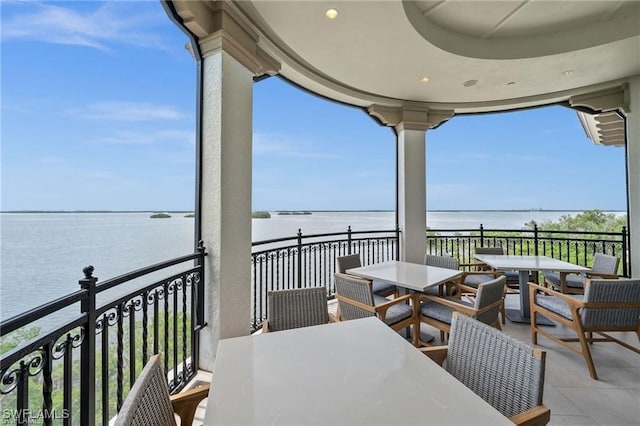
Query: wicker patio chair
{"x": 356, "y": 299}
{"x": 295, "y": 308}
{"x": 437, "y": 311}
{"x": 380, "y": 288}
{"x": 447, "y": 262}
{"x": 603, "y": 266}
{"x": 506, "y": 373}
{"x": 606, "y": 306}
{"x": 149, "y": 403}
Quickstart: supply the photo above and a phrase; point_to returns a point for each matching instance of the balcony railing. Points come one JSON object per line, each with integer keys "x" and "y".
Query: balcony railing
{"x": 576, "y": 247}
{"x": 80, "y": 372}
{"x": 310, "y": 260}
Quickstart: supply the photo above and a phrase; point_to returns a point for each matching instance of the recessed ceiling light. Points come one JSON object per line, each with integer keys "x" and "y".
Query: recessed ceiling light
{"x": 566, "y": 73}
{"x": 470, "y": 83}
{"x": 425, "y": 79}
{"x": 331, "y": 13}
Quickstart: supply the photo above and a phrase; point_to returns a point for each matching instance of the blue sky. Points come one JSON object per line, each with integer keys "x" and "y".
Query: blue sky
{"x": 98, "y": 113}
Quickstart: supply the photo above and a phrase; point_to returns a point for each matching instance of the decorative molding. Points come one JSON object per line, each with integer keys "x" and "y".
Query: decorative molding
{"x": 410, "y": 118}
{"x": 219, "y": 27}
{"x": 611, "y": 99}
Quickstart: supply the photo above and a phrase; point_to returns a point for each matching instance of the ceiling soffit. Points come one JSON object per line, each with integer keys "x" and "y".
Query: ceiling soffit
{"x": 522, "y": 29}
{"x": 373, "y": 54}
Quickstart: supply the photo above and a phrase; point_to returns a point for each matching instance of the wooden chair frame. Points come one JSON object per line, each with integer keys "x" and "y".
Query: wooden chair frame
{"x": 381, "y": 310}
{"x": 584, "y": 334}
{"x": 564, "y": 288}
{"x": 465, "y": 290}
{"x": 457, "y": 307}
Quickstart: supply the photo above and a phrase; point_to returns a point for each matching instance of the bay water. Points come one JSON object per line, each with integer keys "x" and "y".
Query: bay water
{"x": 42, "y": 254}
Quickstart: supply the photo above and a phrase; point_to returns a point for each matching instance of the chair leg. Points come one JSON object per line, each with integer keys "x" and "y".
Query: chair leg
{"x": 586, "y": 351}
{"x": 534, "y": 325}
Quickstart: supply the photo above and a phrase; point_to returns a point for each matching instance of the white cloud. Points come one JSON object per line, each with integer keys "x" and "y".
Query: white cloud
{"x": 127, "y": 111}
{"x": 94, "y": 27}
{"x": 124, "y": 137}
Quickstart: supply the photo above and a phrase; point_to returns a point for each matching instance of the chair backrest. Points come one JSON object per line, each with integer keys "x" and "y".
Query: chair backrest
{"x": 489, "y": 250}
{"x": 620, "y": 291}
{"x": 301, "y": 307}
{"x": 605, "y": 264}
{"x": 148, "y": 400}
{"x": 506, "y": 373}
{"x": 348, "y": 262}
{"x": 490, "y": 292}
{"x": 441, "y": 261}
{"x": 356, "y": 289}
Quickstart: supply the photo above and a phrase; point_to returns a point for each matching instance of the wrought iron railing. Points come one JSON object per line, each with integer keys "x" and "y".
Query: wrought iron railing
{"x": 310, "y": 261}
{"x": 576, "y": 247}
{"x": 80, "y": 372}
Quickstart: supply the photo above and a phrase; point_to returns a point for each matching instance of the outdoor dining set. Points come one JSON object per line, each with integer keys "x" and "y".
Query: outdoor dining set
{"x": 354, "y": 365}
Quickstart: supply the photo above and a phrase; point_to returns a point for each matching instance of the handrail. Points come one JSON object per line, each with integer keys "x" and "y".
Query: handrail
{"x": 12, "y": 324}
{"x": 72, "y": 358}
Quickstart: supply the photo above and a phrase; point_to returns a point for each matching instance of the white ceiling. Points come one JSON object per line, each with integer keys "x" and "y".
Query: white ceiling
{"x": 378, "y": 51}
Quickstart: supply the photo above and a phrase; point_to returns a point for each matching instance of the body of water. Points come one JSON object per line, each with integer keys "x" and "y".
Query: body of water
{"x": 42, "y": 254}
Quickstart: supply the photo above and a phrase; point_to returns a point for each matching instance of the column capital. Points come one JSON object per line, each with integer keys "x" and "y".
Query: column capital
{"x": 611, "y": 99}
{"x": 218, "y": 27}
{"x": 410, "y": 118}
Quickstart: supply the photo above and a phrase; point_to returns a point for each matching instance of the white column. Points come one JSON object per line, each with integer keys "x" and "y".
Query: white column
{"x": 226, "y": 199}
{"x": 633, "y": 172}
{"x": 412, "y": 193}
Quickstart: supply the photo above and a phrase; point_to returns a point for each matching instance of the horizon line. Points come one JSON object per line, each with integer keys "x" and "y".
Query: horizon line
{"x": 307, "y": 210}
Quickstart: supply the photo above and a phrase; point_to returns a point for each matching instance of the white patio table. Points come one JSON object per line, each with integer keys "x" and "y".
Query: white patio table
{"x": 524, "y": 265}
{"x": 357, "y": 372}
{"x": 411, "y": 276}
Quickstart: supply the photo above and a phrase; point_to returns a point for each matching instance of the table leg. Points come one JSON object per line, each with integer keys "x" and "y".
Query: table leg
{"x": 523, "y": 315}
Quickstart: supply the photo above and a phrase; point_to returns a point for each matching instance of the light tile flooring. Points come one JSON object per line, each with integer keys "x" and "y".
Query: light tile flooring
{"x": 573, "y": 397}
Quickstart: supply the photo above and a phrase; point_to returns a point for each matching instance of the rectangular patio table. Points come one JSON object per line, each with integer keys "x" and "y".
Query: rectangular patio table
{"x": 411, "y": 276}
{"x": 357, "y": 372}
{"x": 524, "y": 265}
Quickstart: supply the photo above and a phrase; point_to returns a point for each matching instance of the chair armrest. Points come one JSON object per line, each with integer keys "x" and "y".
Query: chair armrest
{"x": 602, "y": 275}
{"x": 538, "y": 415}
{"x": 395, "y": 301}
{"x": 459, "y": 307}
{"x": 534, "y": 288}
{"x": 185, "y": 403}
{"x": 436, "y": 353}
{"x": 382, "y": 308}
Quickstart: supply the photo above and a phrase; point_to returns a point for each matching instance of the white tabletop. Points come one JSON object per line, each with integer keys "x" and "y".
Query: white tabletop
{"x": 528, "y": 263}
{"x": 413, "y": 276}
{"x": 357, "y": 372}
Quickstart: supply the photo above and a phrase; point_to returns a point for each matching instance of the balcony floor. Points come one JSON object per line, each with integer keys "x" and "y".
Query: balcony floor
{"x": 573, "y": 397}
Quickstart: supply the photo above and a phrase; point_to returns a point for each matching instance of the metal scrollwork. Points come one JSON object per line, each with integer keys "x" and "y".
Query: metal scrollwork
{"x": 192, "y": 279}
{"x": 174, "y": 286}
{"x": 32, "y": 363}
{"x": 108, "y": 319}
{"x": 64, "y": 343}
{"x": 155, "y": 294}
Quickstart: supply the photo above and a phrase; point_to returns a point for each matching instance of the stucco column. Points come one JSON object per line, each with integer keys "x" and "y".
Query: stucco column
{"x": 633, "y": 173}
{"x": 412, "y": 193}
{"x": 226, "y": 199}
{"x": 411, "y": 125}
{"x": 230, "y": 58}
